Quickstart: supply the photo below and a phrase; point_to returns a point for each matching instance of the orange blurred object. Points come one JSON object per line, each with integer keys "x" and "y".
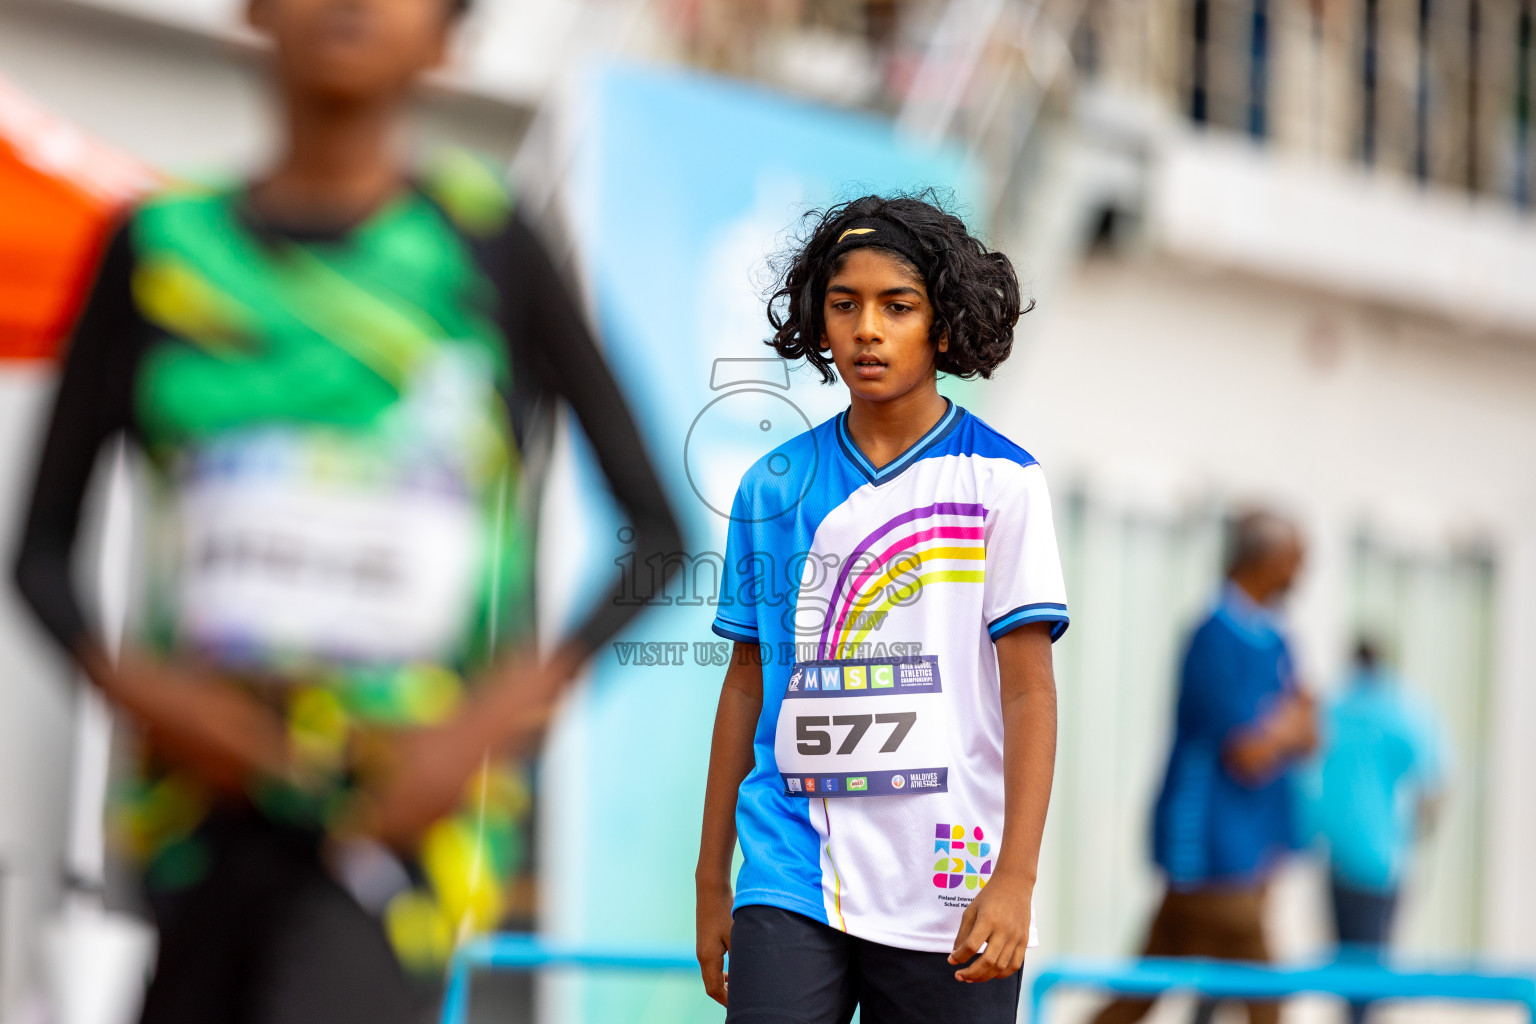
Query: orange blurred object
{"x": 59, "y": 192}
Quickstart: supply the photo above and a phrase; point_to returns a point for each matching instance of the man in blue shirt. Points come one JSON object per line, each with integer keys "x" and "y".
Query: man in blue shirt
{"x": 1378, "y": 781}
{"x": 1225, "y": 816}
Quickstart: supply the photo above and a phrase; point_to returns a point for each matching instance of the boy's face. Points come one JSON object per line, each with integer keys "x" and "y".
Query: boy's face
{"x": 353, "y": 49}
{"x": 877, "y": 317}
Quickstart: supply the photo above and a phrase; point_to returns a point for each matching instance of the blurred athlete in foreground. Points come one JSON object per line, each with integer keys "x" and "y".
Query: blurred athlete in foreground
{"x": 333, "y": 371}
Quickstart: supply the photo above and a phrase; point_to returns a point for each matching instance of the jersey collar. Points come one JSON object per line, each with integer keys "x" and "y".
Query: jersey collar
{"x": 935, "y": 434}
{"x": 1253, "y": 621}
{"x": 324, "y": 234}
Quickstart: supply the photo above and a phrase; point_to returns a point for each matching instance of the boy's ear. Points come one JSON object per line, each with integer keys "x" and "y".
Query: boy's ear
{"x": 944, "y": 342}
{"x": 824, "y": 342}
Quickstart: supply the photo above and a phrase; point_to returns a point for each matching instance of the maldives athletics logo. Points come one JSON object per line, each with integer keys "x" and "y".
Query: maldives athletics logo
{"x": 962, "y": 861}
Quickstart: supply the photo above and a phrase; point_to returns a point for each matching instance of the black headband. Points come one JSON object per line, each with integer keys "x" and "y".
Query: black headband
{"x": 884, "y": 234}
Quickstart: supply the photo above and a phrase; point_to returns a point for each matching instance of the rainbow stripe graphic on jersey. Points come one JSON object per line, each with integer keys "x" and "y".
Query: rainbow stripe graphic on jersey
{"x": 869, "y": 584}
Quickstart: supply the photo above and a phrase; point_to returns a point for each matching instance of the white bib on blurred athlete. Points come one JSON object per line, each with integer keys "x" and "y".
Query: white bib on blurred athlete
{"x": 284, "y": 566}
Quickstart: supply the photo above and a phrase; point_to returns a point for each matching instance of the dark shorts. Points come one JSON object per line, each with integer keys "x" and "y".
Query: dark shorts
{"x": 266, "y": 937}
{"x": 788, "y": 969}
{"x": 1362, "y": 919}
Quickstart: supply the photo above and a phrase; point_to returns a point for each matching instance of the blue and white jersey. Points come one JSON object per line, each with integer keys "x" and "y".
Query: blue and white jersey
{"x": 875, "y": 803}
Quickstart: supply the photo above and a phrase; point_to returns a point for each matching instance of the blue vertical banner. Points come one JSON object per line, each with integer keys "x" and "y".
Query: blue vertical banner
{"x": 683, "y": 187}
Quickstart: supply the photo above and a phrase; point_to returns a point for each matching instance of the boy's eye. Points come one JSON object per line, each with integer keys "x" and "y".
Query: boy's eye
{"x": 843, "y": 305}
{"x": 900, "y": 307}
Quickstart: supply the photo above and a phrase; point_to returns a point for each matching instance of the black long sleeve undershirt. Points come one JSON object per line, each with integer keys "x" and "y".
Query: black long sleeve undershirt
{"x": 552, "y": 352}
{"x": 573, "y": 369}
{"x": 93, "y": 404}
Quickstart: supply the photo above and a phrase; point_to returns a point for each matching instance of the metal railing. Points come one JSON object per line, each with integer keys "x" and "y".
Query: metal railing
{"x": 1153, "y": 977}
{"x": 1149, "y": 978}
{"x": 510, "y": 952}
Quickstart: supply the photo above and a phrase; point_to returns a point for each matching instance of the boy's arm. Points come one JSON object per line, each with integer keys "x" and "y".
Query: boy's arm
{"x": 730, "y": 760}
{"x": 999, "y": 915}
{"x": 226, "y": 738}
{"x": 1257, "y": 753}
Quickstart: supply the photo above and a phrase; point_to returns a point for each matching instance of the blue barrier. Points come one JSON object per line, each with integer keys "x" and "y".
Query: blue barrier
{"x": 1150, "y": 977}
{"x": 530, "y": 952}
{"x": 1226, "y": 980}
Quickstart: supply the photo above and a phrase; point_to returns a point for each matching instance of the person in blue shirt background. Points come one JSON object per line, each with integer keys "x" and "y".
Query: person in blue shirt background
{"x": 1226, "y": 814}
{"x": 1375, "y": 789}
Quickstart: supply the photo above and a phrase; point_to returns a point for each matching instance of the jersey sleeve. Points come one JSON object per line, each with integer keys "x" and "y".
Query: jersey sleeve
{"x": 1023, "y": 568}
{"x": 575, "y": 370}
{"x": 93, "y": 404}
{"x": 736, "y": 614}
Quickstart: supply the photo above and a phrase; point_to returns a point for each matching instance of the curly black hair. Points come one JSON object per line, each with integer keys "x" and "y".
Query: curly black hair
{"x": 974, "y": 290}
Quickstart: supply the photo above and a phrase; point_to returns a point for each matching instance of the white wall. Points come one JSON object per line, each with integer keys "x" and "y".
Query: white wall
{"x": 35, "y": 710}
{"x": 1346, "y": 229}
{"x": 188, "y": 102}
{"x": 511, "y": 50}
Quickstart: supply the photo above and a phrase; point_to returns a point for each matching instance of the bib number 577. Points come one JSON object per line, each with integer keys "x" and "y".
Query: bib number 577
{"x": 813, "y": 737}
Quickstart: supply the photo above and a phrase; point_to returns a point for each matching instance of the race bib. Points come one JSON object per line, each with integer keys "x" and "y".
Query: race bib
{"x": 277, "y": 568}
{"x": 863, "y": 728}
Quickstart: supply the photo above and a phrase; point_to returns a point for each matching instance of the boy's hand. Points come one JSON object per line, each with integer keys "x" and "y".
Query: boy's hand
{"x": 1289, "y": 731}
{"x": 196, "y": 718}
{"x": 997, "y": 918}
{"x": 714, "y": 938}
{"x": 1301, "y": 723}
{"x": 730, "y": 760}
{"x": 414, "y": 777}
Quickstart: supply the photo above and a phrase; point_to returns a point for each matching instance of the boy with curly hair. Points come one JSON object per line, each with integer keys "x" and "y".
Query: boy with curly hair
{"x": 888, "y": 781}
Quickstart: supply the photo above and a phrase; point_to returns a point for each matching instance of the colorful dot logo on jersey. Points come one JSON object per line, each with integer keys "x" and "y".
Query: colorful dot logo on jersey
{"x": 966, "y": 860}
